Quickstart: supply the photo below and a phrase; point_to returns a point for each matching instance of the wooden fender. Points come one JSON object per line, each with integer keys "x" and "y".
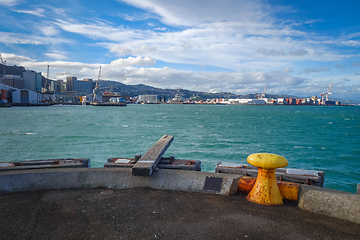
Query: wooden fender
{"x": 287, "y": 189}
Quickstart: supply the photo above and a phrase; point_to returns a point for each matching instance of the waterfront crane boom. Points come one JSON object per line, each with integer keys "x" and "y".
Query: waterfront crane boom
{"x": 326, "y": 94}
{"x": 96, "y": 89}
{"x": 262, "y": 96}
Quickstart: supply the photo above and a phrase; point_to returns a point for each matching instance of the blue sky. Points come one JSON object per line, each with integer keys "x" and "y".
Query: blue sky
{"x": 289, "y": 47}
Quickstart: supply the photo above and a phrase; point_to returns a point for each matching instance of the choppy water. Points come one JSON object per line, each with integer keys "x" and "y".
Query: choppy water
{"x": 310, "y": 137}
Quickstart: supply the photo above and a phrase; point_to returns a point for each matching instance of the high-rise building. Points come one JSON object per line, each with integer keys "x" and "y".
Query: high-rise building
{"x": 29, "y": 77}
{"x": 70, "y": 83}
{"x": 60, "y": 86}
{"x": 38, "y": 82}
{"x": 83, "y": 87}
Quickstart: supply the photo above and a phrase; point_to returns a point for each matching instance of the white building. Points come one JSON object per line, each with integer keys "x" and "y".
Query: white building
{"x": 256, "y": 102}
{"x": 148, "y": 98}
{"x": 26, "y": 96}
{"x": 238, "y": 101}
{"x": 246, "y": 101}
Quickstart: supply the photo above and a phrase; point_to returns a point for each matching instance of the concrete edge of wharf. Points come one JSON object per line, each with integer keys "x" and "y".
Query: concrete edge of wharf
{"x": 329, "y": 202}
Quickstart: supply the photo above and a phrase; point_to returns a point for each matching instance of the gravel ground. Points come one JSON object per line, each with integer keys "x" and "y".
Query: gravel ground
{"x": 143, "y": 213}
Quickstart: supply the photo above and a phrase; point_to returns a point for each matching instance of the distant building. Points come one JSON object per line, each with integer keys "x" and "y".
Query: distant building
{"x": 38, "y": 82}
{"x": 148, "y": 98}
{"x": 70, "y": 83}
{"x": 256, "y": 102}
{"x": 6, "y": 92}
{"x": 59, "y": 86}
{"x": 26, "y": 96}
{"x": 117, "y": 100}
{"x": 13, "y": 81}
{"x": 280, "y": 101}
{"x": 80, "y": 87}
{"x": 112, "y": 97}
{"x": 83, "y": 87}
{"x": 68, "y": 97}
{"x": 29, "y": 77}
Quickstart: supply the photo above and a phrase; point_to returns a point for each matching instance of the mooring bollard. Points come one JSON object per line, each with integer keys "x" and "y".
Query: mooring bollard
{"x": 266, "y": 190}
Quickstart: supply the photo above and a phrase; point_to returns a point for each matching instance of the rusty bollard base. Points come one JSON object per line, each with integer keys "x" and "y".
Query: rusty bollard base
{"x": 266, "y": 190}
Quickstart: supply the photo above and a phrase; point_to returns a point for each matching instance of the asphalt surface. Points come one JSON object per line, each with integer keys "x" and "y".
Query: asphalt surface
{"x": 143, "y": 213}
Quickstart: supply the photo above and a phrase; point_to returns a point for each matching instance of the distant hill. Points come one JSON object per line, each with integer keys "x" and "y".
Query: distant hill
{"x": 141, "y": 89}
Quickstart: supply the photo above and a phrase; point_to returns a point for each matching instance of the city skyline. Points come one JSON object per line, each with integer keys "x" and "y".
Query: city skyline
{"x": 223, "y": 46}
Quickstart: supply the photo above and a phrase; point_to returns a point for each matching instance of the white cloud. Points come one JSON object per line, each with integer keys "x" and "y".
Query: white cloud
{"x": 137, "y": 17}
{"x": 49, "y": 30}
{"x": 10, "y": 2}
{"x": 191, "y": 13}
{"x": 131, "y": 61}
{"x": 123, "y": 51}
{"x": 315, "y": 70}
{"x": 186, "y": 46}
{"x": 227, "y": 44}
{"x": 18, "y": 38}
{"x": 281, "y": 52}
{"x": 287, "y": 70}
{"x": 351, "y": 43}
{"x": 37, "y": 12}
{"x": 57, "y": 55}
{"x": 12, "y": 58}
{"x": 160, "y": 29}
{"x": 101, "y": 30}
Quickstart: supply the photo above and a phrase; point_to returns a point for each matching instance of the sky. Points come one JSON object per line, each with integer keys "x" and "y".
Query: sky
{"x": 238, "y": 46}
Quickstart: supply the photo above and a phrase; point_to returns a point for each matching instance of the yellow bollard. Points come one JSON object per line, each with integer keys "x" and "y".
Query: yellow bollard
{"x": 266, "y": 190}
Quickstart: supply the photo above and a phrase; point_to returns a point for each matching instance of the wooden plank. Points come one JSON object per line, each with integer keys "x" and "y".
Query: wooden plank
{"x": 296, "y": 178}
{"x": 148, "y": 162}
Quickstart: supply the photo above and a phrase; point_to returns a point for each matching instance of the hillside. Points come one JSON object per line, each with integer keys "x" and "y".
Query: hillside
{"x": 141, "y": 89}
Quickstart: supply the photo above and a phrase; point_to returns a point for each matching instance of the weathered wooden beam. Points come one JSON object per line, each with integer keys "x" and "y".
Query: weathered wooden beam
{"x": 148, "y": 162}
{"x": 289, "y": 175}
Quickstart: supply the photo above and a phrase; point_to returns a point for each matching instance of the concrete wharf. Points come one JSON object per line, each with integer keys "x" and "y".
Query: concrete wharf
{"x": 118, "y": 203}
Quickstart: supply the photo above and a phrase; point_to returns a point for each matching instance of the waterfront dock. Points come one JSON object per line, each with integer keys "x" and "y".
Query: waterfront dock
{"x": 42, "y": 200}
{"x": 145, "y": 213}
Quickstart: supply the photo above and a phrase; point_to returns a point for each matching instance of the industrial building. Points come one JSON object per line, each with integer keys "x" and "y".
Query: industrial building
{"x": 148, "y": 98}
{"x": 80, "y": 87}
{"x": 26, "y": 96}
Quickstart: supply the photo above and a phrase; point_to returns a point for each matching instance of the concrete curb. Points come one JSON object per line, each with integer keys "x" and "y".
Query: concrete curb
{"x": 329, "y": 202}
{"x": 117, "y": 178}
{"x": 333, "y": 203}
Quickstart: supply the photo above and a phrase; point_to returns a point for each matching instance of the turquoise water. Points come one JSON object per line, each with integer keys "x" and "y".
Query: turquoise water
{"x": 310, "y": 137}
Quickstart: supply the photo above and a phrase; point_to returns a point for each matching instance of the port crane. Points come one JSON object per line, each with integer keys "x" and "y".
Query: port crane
{"x": 95, "y": 90}
{"x": 262, "y": 95}
{"x": 326, "y": 94}
{"x": 3, "y": 61}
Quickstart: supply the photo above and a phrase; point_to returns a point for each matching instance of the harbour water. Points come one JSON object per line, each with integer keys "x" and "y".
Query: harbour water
{"x": 325, "y": 138}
